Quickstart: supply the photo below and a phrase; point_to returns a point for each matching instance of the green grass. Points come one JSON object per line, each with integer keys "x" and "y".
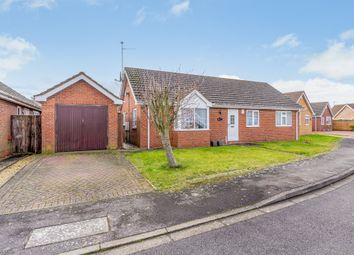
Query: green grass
{"x": 211, "y": 164}
{"x": 308, "y": 145}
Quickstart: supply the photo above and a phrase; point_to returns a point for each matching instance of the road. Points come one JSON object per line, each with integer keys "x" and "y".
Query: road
{"x": 323, "y": 225}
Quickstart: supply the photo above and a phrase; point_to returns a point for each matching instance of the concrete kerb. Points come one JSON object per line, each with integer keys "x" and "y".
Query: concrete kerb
{"x": 276, "y": 202}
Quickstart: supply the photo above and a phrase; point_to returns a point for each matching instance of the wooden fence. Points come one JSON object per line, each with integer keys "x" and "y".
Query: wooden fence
{"x": 26, "y": 133}
{"x": 343, "y": 125}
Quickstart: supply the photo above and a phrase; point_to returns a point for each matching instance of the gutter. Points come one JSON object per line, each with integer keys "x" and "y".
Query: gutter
{"x": 148, "y": 127}
{"x": 16, "y": 101}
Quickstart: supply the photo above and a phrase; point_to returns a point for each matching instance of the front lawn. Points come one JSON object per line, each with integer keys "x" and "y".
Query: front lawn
{"x": 203, "y": 165}
{"x": 308, "y": 145}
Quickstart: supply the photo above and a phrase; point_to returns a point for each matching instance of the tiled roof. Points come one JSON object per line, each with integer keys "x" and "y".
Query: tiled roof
{"x": 73, "y": 77}
{"x": 336, "y": 108}
{"x": 9, "y": 94}
{"x": 219, "y": 91}
{"x": 294, "y": 95}
{"x": 318, "y": 107}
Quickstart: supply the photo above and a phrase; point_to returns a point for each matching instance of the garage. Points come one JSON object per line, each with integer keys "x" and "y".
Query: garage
{"x": 79, "y": 114}
{"x": 80, "y": 128}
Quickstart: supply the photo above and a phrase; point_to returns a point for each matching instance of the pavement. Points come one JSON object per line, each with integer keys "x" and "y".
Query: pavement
{"x": 64, "y": 179}
{"x": 321, "y": 225}
{"x": 140, "y": 213}
{"x": 347, "y": 134}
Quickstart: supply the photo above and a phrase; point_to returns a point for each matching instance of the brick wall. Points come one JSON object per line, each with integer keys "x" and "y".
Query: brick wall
{"x": 267, "y": 131}
{"x": 78, "y": 94}
{"x": 218, "y": 119}
{"x": 6, "y": 110}
{"x": 303, "y": 128}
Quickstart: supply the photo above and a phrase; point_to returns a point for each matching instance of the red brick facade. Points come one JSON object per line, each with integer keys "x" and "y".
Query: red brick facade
{"x": 218, "y": 128}
{"x": 6, "y": 110}
{"x": 79, "y": 93}
{"x": 316, "y": 121}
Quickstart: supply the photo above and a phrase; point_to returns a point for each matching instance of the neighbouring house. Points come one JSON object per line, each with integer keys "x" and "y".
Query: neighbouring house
{"x": 343, "y": 117}
{"x": 305, "y": 114}
{"x": 79, "y": 114}
{"x": 12, "y": 103}
{"x": 322, "y": 120}
{"x": 224, "y": 111}
{"x": 343, "y": 112}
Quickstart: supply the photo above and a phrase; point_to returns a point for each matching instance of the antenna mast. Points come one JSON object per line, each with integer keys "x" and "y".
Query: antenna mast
{"x": 122, "y": 59}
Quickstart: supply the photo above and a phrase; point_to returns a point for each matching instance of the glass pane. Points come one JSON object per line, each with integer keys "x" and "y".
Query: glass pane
{"x": 289, "y": 119}
{"x": 249, "y": 118}
{"x": 187, "y": 118}
{"x": 256, "y": 118}
{"x": 201, "y": 118}
{"x": 232, "y": 119}
{"x": 278, "y": 118}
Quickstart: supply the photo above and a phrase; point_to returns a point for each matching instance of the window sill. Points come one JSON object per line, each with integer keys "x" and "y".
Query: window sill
{"x": 186, "y": 130}
{"x": 283, "y": 126}
{"x": 252, "y": 126}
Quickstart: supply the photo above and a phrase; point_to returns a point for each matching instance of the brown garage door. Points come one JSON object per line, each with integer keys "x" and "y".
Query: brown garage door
{"x": 81, "y": 128}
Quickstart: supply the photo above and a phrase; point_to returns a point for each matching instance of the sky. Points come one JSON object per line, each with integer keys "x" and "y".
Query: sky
{"x": 293, "y": 45}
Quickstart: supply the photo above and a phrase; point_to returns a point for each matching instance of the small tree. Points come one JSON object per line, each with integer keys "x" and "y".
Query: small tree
{"x": 163, "y": 96}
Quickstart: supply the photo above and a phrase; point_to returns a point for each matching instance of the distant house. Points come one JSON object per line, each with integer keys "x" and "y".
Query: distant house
{"x": 343, "y": 112}
{"x": 322, "y": 120}
{"x": 224, "y": 111}
{"x": 12, "y": 103}
{"x": 306, "y": 113}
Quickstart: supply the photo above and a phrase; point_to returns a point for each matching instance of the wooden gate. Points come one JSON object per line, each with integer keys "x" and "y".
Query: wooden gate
{"x": 26, "y": 133}
{"x": 81, "y": 127}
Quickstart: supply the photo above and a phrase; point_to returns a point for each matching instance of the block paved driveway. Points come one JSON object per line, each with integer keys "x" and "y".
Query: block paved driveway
{"x": 65, "y": 179}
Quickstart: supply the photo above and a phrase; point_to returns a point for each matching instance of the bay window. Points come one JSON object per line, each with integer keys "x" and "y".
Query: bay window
{"x": 283, "y": 118}
{"x": 192, "y": 118}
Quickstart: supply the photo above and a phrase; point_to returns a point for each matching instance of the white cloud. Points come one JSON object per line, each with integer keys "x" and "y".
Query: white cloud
{"x": 227, "y": 76}
{"x": 140, "y": 16}
{"x": 14, "y": 54}
{"x": 179, "y": 8}
{"x": 289, "y": 40}
{"x": 337, "y": 62}
{"x": 33, "y": 4}
{"x": 319, "y": 90}
{"x": 347, "y": 35}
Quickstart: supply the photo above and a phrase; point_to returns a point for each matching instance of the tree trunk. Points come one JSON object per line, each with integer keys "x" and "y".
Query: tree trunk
{"x": 166, "y": 143}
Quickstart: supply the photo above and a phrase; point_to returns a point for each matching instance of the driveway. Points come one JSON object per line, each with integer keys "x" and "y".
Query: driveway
{"x": 346, "y": 134}
{"x": 65, "y": 179}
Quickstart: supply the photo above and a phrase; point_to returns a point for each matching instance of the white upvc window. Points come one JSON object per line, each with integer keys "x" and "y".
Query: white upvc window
{"x": 328, "y": 120}
{"x": 322, "y": 120}
{"x": 19, "y": 110}
{"x": 192, "y": 118}
{"x": 124, "y": 118}
{"x": 134, "y": 118}
{"x": 307, "y": 120}
{"x": 252, "y": 118}
{"x": 283, "y": 118}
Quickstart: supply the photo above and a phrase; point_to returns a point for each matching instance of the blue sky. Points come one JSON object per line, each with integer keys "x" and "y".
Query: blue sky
{"x": 293, "y": 45}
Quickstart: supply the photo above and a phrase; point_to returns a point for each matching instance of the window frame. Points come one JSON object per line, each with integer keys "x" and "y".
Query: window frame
{"x": 178, "y": 126}
{"x": 307, "y": 117}
{"x": 322, "y": 121}
{"x": 281, "y": 117}
{"x": 134, "y": 118}
{"x": 253, "y": 119}
{"x": 330, "y": 120}
{"x": 19, "y": 110}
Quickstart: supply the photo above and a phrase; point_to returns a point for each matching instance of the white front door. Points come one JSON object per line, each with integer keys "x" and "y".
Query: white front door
{"x": 232, "y": 123}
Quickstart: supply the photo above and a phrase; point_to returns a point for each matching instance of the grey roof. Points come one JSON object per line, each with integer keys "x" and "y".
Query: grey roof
{"x": 294, "y": 95}
{"x": 11, "y": 95}
{"x": 73, "y": 77}
{"x": 336, "y": 108}
{"x": 318, "y": 107}
{"x": 219, "y": 91}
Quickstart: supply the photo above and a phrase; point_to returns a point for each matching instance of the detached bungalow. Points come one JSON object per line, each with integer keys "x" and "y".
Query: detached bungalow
{"x": 12, "y": 103}
{"x": 305, "y": 114}
{"x": 224, "y": 111}
{"x": 322, "y": 120}
{"x": 343, "y": 112}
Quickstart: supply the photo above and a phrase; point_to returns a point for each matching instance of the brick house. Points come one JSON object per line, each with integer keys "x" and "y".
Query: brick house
{"x": 12, "y": 103}
{"x": 79, "y": 114}
{"x": 322, "y": 120}
{"x": 224, "y": 111}
{"x": 343, "y": 112}
{"x": 305, "y": 114}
